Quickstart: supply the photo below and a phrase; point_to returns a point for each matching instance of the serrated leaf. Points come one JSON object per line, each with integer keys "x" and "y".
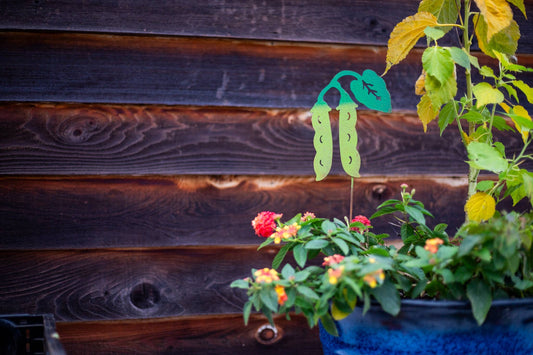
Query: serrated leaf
{"x": 446, "y": 11}
{"x": 438, "y": 63}
{"x": 480, "y": 297}
{"x": 425, "y": 111}
{"x": 460, "y": 57}
{"x": 316, "y": 244}
{"x": 323, "y": 140}
{"x": 480, "y": 207}
{"x": 388, "y": 297}
{"x": 447, "y": 115}
{"x": 505, "y": 41}
{"x": 526, "y": 89}
{"x": 520, "y": 5}
{"x": 405, "y": 35}
{"x": 278, "y": 259}
{"x": 434, "y": 33}
{"x": 519, "y": 124}
{"x": 300, "y": 255}
{"x": 485, "y": 185}
{"x": 371, "y": 91}
{"x": 342, "y": 245}
{"x": 485, "y": 94}
{"x": 440, "y": 93}
{"x": 483, "y": 156}
{"x": 497, "y": 15}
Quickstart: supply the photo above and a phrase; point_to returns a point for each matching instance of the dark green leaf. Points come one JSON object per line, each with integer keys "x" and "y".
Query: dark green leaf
{"x": 246, "y": 312}
{"x": 269, "y": 298}
{"x": 278, "y": 259}
{"x": 342, "y": 245}
{"x": 244, "y": 284}
{"x": 329, "y": 324}
{"x": 479, "y": 294}
{"x": 388, "y": 297}
{"x": 300, "y": 255}
{"x": 316, "y": 244}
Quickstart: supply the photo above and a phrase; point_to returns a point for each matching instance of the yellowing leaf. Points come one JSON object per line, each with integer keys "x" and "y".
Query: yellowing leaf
{"x": 521, "y": 111}
{"x": 420, "y": 84}
{"x": 505, "y": 41}
{"x": 526, "y": 89}
{"x": 485, "y": 94}
{"x": 440, "y": 93}
{"x": 438, "y": 63}
{"x": 446, "y": 11}
{"x": 480, "y": 207}
{"x": 425, "y": 111}
{"x": 405, "y": 35}
{"x": 520, "y": 5}
{"x": 497, "y": 15}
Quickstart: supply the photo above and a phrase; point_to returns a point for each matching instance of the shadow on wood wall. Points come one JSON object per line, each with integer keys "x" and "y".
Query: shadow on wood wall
{"x": 138, "y": 139}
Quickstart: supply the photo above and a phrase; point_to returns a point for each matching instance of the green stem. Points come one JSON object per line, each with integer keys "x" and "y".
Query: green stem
{"x": 473, "y": 173}
{"x": 351, "y": 199}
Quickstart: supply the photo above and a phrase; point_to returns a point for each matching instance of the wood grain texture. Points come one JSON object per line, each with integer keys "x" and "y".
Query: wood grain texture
{"x": 220, "y": 335}
{"x": 127, "y": 284}
{"x": 191, "y": 71}
{"x": 72, "y": 67}
{"x": 70, "y": 139}
{"x": 58, "y": 213}
{"x": 344, "y": 21}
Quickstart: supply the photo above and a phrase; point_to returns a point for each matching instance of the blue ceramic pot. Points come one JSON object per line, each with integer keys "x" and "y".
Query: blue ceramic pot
{"x": 435, "y": 327}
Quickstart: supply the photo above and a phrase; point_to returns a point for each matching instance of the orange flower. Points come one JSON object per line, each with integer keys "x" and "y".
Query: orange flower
{"x": 332, "y": 260}
{"x": 432, "y": 245}
{"x": 285, "y": 232}
{"x": 373, "y": 278}
{"x": 282, "y": 296}
{"x": 335, "y": 274}
{"x": 266, "y": 275}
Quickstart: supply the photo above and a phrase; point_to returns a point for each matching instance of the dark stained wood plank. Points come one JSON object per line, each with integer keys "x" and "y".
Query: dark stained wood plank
{"x": 224, "y": 335}
{"x": 74, "y": 139}
{"x": 131, "y": 283}
{"x": 67, "y": 67}
{"x": 163, "y": 70}
{"x": 52, "y": 213}
{"x": 344, "y": 21}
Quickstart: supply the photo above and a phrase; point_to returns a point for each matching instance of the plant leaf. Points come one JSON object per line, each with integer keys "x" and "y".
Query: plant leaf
{"x": 504, "y": 41}
{"x": 480, "y": 297}
{"x": 460, "y": 57}
{"x": 405, "y": 35}
{"x": 480, "y": 207}
{"x": 323, "y": 140}
{"x": 278, "y": 259}
{"x": 526, "y": 89}
{"x": 485, "y": 94}
{"x": 388, "y": 297}
{"x": 520, "y": 5}
{"x": 440, "y": 93}
{"x": 447, "y": 115}
{"x": 300, "y": 255}
{"x": 438, "y": 63}
{"x": 485, "y": 157}
{"x": 329, "y": 324}
{"x": 497, "y": 15}
{"x": 316, "y": 244}
{"x": 425, "y": 111}
{"x": 446, "y": 11}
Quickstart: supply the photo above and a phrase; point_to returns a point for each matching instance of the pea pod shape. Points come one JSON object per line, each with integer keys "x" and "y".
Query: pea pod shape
{"x": 350, "y": 158}
{"x": 322, "y": 140}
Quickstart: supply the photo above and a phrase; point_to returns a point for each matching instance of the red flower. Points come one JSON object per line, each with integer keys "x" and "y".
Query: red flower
{"x": 265, "y": 223}
{"x": 361, "y": 219}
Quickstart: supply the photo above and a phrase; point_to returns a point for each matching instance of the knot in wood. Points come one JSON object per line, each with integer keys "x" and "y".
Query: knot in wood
{"x": 380, "y": 192}
{"x": 268, "y": 335}
{"x": 80, "y": 129}
{"x": 145, "y": 296}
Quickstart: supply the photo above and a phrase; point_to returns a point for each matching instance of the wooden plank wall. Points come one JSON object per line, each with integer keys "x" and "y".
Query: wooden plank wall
{"x": 139, "y": 138}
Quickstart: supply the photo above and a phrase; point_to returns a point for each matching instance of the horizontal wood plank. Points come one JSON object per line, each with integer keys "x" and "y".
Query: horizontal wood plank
{"x": 162, "y": 70}
{"x": 71, "y": 67}
{"x": 344, "y": 21}
{"x": 221, "y": 335}
{"x": 75, "y": 139}
{"x": 133, "y": 283}
{"x": 50, "y": 213}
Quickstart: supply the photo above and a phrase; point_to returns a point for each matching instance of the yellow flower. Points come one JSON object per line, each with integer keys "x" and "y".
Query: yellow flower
{"x": 266, "y": 275}
{"x": 285, "y": 232}
{"x": 282, "y": 296}
{"x": 432, "y": 245}
{"x": 373, "y": 278}
{"x": 480, "y": 207}
{"x": 335, "y": 274}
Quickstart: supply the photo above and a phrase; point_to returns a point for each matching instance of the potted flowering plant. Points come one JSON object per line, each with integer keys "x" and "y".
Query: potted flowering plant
{"x": 343, "y": 269}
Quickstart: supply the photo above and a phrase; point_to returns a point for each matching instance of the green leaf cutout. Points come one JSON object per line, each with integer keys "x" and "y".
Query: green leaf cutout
{"x": 371, "y": 91}
{"x": 323, "y": 140}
